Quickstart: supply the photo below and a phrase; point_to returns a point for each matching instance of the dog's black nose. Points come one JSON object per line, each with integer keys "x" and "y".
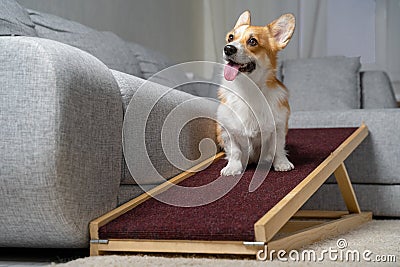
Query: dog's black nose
{"x": 230, "y": 50}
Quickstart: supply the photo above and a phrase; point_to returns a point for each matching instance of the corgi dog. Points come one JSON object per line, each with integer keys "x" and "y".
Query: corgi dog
{"x": 245, "y": 130}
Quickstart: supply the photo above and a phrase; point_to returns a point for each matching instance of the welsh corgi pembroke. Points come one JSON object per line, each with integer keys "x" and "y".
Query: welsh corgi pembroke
{"x": 245, "y": 130}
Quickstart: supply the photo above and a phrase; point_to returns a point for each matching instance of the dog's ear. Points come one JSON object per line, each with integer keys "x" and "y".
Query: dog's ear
{"x": 282, "y": 30}
{"x": 244, "y": 19}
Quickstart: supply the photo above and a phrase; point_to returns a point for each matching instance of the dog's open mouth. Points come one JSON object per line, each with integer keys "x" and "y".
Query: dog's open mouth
{"x": 232, "y": 69}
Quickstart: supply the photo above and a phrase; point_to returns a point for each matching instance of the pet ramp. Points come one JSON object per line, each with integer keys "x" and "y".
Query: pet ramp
{"x": 242, "y": 222}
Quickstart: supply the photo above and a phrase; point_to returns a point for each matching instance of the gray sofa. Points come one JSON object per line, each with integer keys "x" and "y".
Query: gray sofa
{"x": 64, "y": 92}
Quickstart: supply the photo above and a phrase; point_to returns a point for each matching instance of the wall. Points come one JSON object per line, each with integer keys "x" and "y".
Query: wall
{"x": 393, "y": 38}
{"x": 352, "y": 33}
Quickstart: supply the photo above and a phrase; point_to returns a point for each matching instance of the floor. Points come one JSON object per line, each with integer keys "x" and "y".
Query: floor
{"x": 17, "y": 257}
{"x": 379, "y": 236}
{"x": 22, "y": 264}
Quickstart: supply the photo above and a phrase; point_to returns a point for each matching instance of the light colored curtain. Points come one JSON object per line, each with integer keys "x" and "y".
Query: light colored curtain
{"x": 308, "y": 40}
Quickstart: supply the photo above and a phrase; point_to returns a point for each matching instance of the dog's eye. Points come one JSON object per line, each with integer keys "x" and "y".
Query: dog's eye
{"x": 252, "y": 42}
{"x": 230, "y": 38}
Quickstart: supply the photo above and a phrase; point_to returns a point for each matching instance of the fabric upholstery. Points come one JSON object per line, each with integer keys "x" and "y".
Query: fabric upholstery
{"x": 377, "y": 90}
{"x": 200, "y": 89}
{"x": 106, "y": 46}
{"x": 381, "y": 199}
{"x": 61, "y": 121}
{"x": 375, "y": 161}
{"x": 150, "y": 62}
{"x": 130, "y": 191}
{"x": 330, "y": 83}
{"x": 14, "y": 20}
{"x": 162, "y": 101}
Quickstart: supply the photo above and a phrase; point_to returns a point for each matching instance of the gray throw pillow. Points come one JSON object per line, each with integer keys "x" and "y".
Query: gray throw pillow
{"x": 114, "y": 52}
{"x": 329, "y": 83}
{"x": 150, "y": 61}
{"x": 14, "y": 20}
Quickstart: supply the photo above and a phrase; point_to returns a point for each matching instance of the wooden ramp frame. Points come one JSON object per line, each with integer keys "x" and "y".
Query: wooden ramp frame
{"x": 282, "y": 227}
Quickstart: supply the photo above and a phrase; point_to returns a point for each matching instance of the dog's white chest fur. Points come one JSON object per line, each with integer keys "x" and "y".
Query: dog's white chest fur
{"x": 252, "y": 123}
{"x": 250, "y": 114}
{"x": 245, "y": 113}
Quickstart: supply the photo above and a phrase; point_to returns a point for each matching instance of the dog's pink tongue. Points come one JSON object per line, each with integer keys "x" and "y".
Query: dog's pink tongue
{"x": 231, "y": 71}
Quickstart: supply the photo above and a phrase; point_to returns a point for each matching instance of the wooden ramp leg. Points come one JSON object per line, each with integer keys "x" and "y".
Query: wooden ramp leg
{"x": 94, "y": 250}
{"x": 319, "y": 232}
{"x": 346, "y": 189}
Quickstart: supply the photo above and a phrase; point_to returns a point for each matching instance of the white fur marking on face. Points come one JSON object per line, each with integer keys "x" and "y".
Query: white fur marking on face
{"x": 240, "y": 31}
{"x": 241, "y": 55}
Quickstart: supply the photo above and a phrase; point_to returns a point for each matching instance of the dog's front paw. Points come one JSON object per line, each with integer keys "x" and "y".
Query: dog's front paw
{"x": 283, "y": 165}
{"x": 233, "y": 168}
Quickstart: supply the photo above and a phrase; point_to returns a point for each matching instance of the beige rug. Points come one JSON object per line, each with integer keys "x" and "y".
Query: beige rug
{"x": 376, "y": 240}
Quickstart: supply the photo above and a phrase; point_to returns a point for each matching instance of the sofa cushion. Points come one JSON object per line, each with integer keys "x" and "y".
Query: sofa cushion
{"x": 377, "y": 90}
{"x": 14, "y": 20}
{"x": 106, "y": 46}
{"x": 150, "y": 62}
{"x": 329, "y": 83}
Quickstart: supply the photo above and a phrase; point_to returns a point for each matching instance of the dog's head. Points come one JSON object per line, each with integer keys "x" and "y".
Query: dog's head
{"x": 251, "y": 47}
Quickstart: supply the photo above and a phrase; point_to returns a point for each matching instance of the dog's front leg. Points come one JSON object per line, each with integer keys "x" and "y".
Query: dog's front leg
{"x": 281, "y": 162}
{"x": 267, "y": 147}
{"x": 233, "y": 155}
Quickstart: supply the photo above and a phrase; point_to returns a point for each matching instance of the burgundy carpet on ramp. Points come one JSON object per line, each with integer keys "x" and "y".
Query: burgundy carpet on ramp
{"x": 232, "y": 217}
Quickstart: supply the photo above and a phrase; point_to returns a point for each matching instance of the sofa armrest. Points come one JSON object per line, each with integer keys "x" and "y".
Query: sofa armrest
{"x": 166, "y": 131}
{"x": 61, "y": 123}
{"x": 376, "y": 90}
{"x": 376, "y": 160}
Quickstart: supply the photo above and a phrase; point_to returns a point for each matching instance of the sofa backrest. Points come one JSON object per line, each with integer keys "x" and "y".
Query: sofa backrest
{"x": 329, "y": 83}
{"x": 324, "y": 84}
{"x": 116, "y": 53}
{"x": 335, "y": 83}
{"x": 14, "y": 20}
